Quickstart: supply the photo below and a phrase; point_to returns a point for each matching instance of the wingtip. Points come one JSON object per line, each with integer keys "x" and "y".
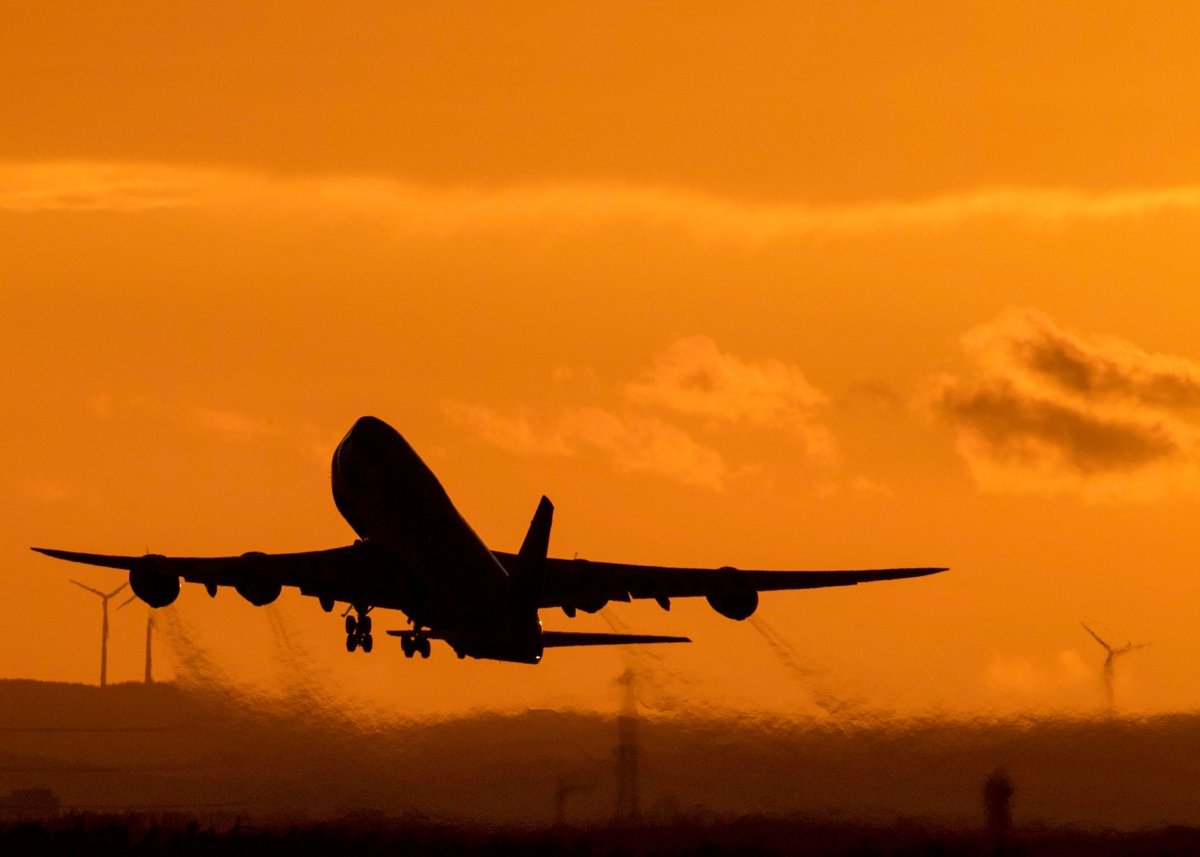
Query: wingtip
{"x": 923, "y": 572}
{"x": 54, "y": 553}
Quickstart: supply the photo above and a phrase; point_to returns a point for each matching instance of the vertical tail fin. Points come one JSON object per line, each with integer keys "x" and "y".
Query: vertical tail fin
{"x": 531, "y": 559}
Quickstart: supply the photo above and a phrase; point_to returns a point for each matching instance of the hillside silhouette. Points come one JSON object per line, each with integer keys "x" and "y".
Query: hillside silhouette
{"x": 166, "y": 747}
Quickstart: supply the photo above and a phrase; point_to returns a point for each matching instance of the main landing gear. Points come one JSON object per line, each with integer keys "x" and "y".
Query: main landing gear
{"x": 415, "y": 645}
{"x": 358, "y": 630}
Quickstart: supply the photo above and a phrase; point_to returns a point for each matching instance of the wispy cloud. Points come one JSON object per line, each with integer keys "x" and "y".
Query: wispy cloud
{"x": 691, "y": 389}
{"x": 99, "y": 186}
{"x": 563, "y": 206}
{"x": 1047, "y": 409}
{"x": 228, "y": 424}
{"x": 233, "y": 425}
{"x": 238, "y": 427}
{"x": 631, "y": 442}
{"x": 694, "y": 377}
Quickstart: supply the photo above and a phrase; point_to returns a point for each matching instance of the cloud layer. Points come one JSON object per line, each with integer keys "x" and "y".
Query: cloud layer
{"x": 690, "y": 381}
{"x": 632, "y": 442}
{"x": 1047, "y": 409}
{"x": 693, "y": 377}
{"x": 142, "y": 187}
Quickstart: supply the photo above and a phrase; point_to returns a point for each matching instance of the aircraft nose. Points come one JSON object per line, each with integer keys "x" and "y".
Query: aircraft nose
{"x": 371, "y": 435}
{"x": 368, "y": 427}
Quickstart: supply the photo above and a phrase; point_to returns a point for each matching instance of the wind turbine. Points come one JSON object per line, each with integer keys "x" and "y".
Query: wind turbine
{"x": 150, "y": 626}
{"x": 104, "y": 627}
{"x": 1112, "y": 655}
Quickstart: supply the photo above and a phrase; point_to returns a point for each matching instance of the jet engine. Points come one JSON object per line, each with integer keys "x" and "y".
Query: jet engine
{"x": 733, "y": 598}
{"x": 591, "y": 603}
{"x": 259, "y": 592}
{"x": 153, "y": 587}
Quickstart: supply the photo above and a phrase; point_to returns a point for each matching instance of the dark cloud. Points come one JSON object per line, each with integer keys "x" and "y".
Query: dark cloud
{"x": 1045, "y": 408}
{"x": 1105, "y": 368}
{"x": 1021, "y": 430}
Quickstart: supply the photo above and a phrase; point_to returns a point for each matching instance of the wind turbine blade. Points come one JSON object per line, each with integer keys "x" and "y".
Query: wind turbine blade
{"x": 118, "y": 589}
{"x": 88, "y": 588}
{"x": 127, "y": 601}
{"x": 1096, "y": 637}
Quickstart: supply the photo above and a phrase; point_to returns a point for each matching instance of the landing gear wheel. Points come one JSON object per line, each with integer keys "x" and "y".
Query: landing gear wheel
{"x": 351, "y": 624}
{"x": 351, "y": 642}
{"x": 406, "y": 646}
{"x": 368, "y": 643}
{"x": 364, "y": 626}
{"x": 424, "y": 647}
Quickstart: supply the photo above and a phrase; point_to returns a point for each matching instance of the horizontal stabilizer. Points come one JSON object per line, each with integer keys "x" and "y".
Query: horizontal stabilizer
{"x": 558, "y": 639}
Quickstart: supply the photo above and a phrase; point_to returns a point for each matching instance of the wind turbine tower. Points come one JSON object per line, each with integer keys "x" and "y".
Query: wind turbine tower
{"x": 103, "y": 627}
{"x": 1109, "y": 659}
{"x": 626, "y": 754}
{"x": 150, "y": 626}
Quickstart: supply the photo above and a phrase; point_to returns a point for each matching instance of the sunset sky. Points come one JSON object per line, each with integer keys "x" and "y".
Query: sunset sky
{"x": 778, "y": 285}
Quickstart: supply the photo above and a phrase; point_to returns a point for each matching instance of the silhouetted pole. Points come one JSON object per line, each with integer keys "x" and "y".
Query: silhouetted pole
{"x": 561, "y": 790}
{"x": 149, "y": 651}
{"x": 103, "y": 626}
{"x": 626, "y": 754}
{"x": 997, "y": 807}
{"x": 150, "y": 625}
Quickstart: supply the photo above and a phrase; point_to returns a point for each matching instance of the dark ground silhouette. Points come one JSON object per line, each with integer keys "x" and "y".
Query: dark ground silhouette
{"x": 166, "y": 748}
{"x": 365, "y": 835}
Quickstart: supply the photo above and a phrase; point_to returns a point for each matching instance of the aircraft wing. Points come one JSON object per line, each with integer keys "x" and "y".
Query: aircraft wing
{"x": 340, "y": 574}
{"x": 578, "y": 582}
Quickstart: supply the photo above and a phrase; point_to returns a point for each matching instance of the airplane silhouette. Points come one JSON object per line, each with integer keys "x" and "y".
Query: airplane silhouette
{"x": 415, "y": 553}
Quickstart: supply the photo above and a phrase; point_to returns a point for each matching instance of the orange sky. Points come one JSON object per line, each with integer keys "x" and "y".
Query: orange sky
{"x": 939, "y": 270}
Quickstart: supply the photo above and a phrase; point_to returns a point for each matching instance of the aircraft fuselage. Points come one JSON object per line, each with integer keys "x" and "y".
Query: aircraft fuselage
{"x": 445, "y": 576}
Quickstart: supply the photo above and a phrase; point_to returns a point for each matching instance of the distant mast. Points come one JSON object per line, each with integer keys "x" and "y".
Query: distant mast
{"x": 103, "y": 626}
{"x": 628, "y": 809}
{"x": 150, "y": 626}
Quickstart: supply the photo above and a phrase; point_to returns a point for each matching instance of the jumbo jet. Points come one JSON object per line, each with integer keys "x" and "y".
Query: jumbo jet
{"x": 415, "y": 553}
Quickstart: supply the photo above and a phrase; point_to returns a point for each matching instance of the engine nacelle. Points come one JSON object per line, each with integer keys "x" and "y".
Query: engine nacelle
{"x": 154, "y": 587}
{"x": 259, "y": 592}
{"x": 734, "y": 598}
{"x": 591, "y": 604}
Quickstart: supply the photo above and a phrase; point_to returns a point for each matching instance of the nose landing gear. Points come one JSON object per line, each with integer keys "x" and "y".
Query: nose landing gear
{"x": 358, "y": 629}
